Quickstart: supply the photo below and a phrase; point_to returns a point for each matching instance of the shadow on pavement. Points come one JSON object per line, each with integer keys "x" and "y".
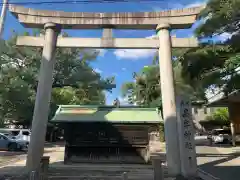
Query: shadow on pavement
{"x": 9, "y": 153}
{"x": 224, "y": 171}
{"x": 13, "y": 173}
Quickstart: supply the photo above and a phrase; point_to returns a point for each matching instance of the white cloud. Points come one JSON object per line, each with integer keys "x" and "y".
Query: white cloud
{"x": 225, "y": 36}
{"x": 134, "y": 54}
{"x": 171, "y": 5}
{"x": 124, "y": 69}
{"x": 154, "y": 36}
{"x": 115, "y": 74}
{"x": 102, "y": 52}
{"x": 196, "y": 4}
{"x": 123, "y": 101}
{"x": 98, "y": 70}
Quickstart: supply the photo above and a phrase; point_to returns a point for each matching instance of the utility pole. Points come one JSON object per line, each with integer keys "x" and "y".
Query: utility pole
{"x": 3, "y": 16}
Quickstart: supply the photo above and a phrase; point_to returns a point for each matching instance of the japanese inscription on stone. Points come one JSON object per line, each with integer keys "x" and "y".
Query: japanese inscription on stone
{"x": 186, "y": 137}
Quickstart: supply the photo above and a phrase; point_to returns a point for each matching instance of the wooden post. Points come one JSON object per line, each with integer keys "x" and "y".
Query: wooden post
{"x": 232, "y": 114}
{"x": 66, "y": 154}
{"x": 124, "y": 176}
{"x": 44, "y": 167}
{"x": 33, "y": 175}
{"x": 157, "y": 167}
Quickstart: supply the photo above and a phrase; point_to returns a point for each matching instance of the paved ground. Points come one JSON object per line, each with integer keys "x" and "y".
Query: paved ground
{"x": 59, "y": 171}
{"x": 222, "y": 162}
{"x": 7, "y": 157}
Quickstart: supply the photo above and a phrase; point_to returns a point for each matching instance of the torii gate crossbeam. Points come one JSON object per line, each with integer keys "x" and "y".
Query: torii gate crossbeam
{"x": 113, "y": 43}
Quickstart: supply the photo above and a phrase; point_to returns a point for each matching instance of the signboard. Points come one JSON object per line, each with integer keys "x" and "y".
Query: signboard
{"x": 186, "y": 137}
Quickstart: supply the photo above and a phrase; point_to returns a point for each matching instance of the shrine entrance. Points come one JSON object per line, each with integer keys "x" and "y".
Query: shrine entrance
{"x": 54, "y": 21}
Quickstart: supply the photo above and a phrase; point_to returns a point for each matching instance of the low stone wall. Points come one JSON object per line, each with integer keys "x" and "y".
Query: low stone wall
{"x": 154, "y": 143}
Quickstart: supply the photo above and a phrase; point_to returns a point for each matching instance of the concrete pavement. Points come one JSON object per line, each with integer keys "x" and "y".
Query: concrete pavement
{"x": 221, "y": 162}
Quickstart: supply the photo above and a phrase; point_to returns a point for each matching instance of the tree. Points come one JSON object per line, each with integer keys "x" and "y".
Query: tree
{"x": 221, "y": 114}
{"x": 146, "y": 90}
{"x": 219, "y": 118}
{"x": 74, "y": 82}
{"x": 216, "y": 64}
{"x": 220, "y": 16}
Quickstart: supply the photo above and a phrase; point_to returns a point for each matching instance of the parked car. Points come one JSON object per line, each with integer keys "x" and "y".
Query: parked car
{"x": 201, "y": 139}
{"x": 7, "y": 143}
{"x": 221, "y": 136}
{"x": 18, "y": 134}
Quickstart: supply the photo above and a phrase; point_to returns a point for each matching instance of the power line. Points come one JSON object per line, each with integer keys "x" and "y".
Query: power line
{"x": 3, "y": 17}
{"x": 79, "y": 2}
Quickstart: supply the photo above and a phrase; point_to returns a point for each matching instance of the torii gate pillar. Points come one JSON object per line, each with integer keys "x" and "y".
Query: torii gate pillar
{"x": 43, "y": 97}
{"x": 168, "y": 99}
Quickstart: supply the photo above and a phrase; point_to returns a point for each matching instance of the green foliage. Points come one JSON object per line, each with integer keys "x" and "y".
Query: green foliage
{"x": 161, "y": 132}
{"x": 221, "y": 114}
{"x": 219, "y": 118}
{"x": 220, "y": 16}
{"x": 145, "y": 87}
{"x": 146, "y": 90}
{"x": 216, "y": 65}
{"x": 74, "y": 81}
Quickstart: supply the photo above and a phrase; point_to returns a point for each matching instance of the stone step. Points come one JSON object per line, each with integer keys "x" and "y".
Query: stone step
{"x": 100, "y": 166}
{"x": 102, "y": 172}
{"x": 106, "y": 177}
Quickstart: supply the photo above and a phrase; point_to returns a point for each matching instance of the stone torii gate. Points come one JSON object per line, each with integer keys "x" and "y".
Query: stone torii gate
{"x": 54, "y": 21}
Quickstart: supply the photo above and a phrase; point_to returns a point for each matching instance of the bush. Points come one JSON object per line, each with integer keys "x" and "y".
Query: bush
{"x": 161, "y": 132}
{"x": 219, "y": 118}
{"x": 221, "y": 114}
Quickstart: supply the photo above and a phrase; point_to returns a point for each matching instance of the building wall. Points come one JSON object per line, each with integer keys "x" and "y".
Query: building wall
{"x": 200, "y": 112}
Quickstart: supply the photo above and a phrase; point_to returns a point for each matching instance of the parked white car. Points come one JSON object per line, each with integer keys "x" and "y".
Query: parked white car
{"x": 23, "y": 134}
{"x": 221, "y": 136}
{"x": 201, "y": 140}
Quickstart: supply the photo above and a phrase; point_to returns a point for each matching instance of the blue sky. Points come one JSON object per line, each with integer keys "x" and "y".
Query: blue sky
{"x": 118, "y": 63}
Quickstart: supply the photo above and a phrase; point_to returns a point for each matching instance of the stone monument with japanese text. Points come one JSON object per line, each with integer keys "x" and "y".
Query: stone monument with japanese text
{"x": 186, "y": 137}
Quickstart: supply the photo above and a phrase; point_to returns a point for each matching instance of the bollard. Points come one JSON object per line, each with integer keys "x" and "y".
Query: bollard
{"x": 124, "y": 176}
{"x": 157, "y": 167}
{"x": 33, "y": 175}
{"x": 44, "y": 167}
{"x": 210, "y": 142}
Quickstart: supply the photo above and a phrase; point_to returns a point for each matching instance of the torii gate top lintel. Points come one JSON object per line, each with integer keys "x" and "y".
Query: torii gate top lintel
{"x": 178, "y": 19}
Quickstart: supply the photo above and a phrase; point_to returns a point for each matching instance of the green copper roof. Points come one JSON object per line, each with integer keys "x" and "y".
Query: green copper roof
{"x": 75, "y": 113}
